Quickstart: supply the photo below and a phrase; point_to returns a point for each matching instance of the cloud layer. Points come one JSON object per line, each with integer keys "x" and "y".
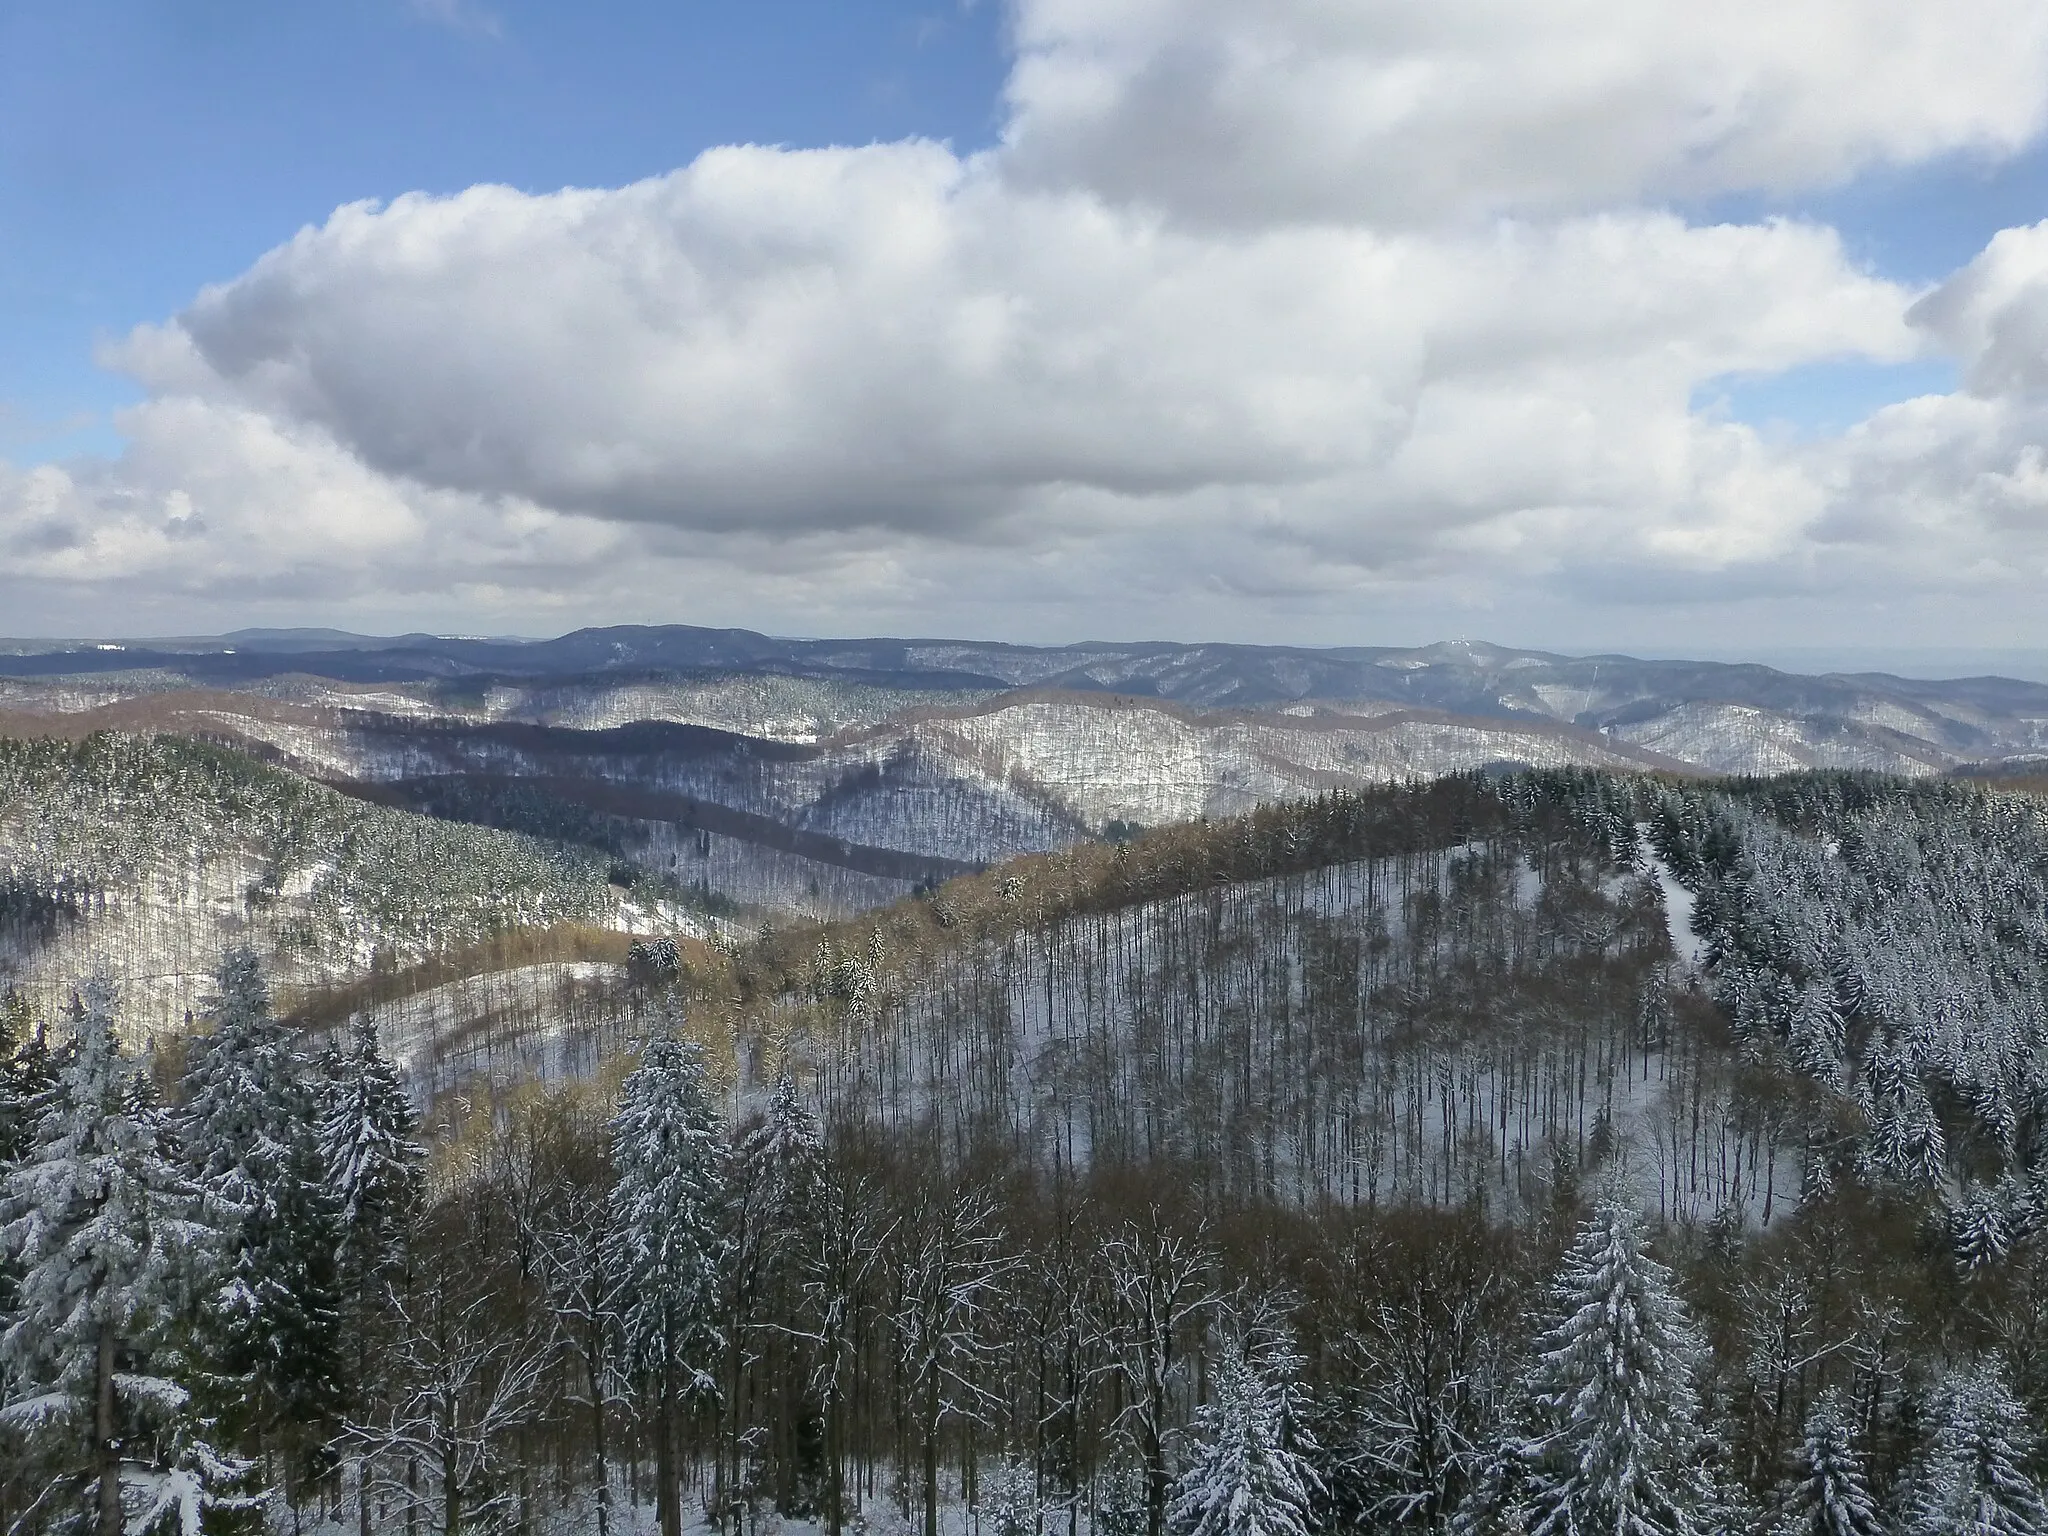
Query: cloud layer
{"x": 1255, "y": 311}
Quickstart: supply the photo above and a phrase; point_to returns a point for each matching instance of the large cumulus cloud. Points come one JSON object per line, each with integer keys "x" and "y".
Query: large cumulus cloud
{"x": 1265, "y": 305}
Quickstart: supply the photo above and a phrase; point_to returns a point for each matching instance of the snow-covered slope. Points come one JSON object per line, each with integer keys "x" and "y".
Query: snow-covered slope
{"x": 1106, "y": 758}
{"x": 1018, "y": 773}
{"x": 149, "y": 856}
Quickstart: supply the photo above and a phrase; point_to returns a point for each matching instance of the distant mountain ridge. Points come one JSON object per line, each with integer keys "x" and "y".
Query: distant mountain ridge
{"x": 1719, "y": 716}
{"x": 829, "y": 775}
{"x": 1462, "y": 676}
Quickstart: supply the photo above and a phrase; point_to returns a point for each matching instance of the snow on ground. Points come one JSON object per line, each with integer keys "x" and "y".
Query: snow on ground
{"x": 632, "y": 1512}
{"x": 159, "y": 940}
{"x": 1119, "y": 759}
{"x": 1678, "y": 904}
{"x": 768, "y": 706}
{"x": 754, "y": 876}
{"x": 531, "y": 1021}
{"x": 1739, "y": 738}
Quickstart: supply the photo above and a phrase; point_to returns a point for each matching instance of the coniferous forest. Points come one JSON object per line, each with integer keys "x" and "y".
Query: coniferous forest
{"x": 1540, "y": 1153}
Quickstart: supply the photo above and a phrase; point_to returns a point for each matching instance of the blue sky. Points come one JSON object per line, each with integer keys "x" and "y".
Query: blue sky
{"x": 147, "y": 149}
{"x": 1662, "y": 328}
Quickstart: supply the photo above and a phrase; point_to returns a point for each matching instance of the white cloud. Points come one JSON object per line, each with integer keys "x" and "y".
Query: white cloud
{"x": 893, "y": 338}
{"x": 1993, "y": 315}
{"x": 1256, "y": 309}
{"x": 1232, "y": 113}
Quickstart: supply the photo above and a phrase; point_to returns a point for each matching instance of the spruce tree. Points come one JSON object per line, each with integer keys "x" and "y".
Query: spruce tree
{"x": 373, "y": 1168}
{"x": 1612, "y": 1404}
{"x": 775, "y": 1187}
{"x": 669, "y": 1159}
{"x": 101, "y": 1223}
{"x": 1973, "y": 1476}
{"x": 251, "y": 1134}
{"x": 1246, "y": 1478}
{"x": 367, "y": 1141}
{"x": 1830, "y": 1492}
{"x": 28, "y": 1078}
{"x": 242, "y": 1092}
{"x": 27, "y": 1074}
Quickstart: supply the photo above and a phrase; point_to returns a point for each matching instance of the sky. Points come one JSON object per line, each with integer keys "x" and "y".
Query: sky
{"x": 1562, "y": 323}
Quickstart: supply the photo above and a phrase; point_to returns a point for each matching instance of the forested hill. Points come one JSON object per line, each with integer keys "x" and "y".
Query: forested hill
{"x": 1542, "y": 1152}
{"x": 1888, "y": 943}
{"x": 1745, "y": 990}
{"x": 1416, "y": 993}
{"x": 1428, "y": 992}
{"x": 150, "y": 854}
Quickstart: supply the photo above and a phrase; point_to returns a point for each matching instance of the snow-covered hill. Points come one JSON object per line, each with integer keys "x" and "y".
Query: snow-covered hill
{"x": 824, "y": 777}
{"x": 148, "y": 856}
{"x": 971, "y": 783}
{"x": 1720, "y": 717}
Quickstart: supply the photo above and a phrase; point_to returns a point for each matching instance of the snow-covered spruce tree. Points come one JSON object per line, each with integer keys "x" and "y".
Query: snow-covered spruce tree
{"x": 1249, "y": 1475}
{"x": 1010, "y": 1505}
{"x": 374, "y": 1175}
{"x": 669, "y": 1159}
{"x": 272, "y": 1323}
{"x": 100, "y": 1221}
{"x": 774, "y": 1209}
{"x": 1829, "y": 1494}
{"x": 27, "y": 1074}
{"x": 242, "y": 1090}
{"x": 374, "y": 1161}
{"x": 1972, "y": 1478}
{"x": 28, "y": 1077}
{"x": 1614, "y": 1416}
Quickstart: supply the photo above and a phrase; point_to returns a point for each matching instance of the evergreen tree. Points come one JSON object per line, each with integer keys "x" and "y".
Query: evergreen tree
{"x": 1972, "y": 1478}
{"x": 28, "y": 1079}
{"x": 101, "y": 1223}
{"x": 367, "y": 1141}
{"x": 27, "y": 1074}
{"x": 373, "y": 1169}
{"x": 776, "y": 1184}
{"x": 1830, "y": 1493}
{"x": 251, "y": 1133}
{"x": 1611, "y": 1392}
{"x": 670, "y": 1163}
{"x": 243, "y": 1096}
{"x": 1248, "y": 1476}
{"x": 784, "y": 1153}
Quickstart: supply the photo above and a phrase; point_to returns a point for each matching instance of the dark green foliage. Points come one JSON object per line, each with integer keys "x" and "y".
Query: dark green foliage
{"x": 271, "y": 1325}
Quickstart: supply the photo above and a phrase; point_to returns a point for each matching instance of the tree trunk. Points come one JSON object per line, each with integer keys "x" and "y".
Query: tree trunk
{"x": 106, "y": 1445}
{"x": 835, "y": 1461}
{"x": 1155, "y": 1482}
{"x": 451, "y": 1492}
{"x": 668, "y": 1494}
{"x": 931, "y": 1455}
{"x": 363, "y": 1461}
{"x": 597, "y": 1427}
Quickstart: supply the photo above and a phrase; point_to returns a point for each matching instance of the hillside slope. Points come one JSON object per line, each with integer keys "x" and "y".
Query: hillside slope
{"x": 949, "y": 787}
{"x": 150, "y": 854}
{"x": 1742, "y": 991}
